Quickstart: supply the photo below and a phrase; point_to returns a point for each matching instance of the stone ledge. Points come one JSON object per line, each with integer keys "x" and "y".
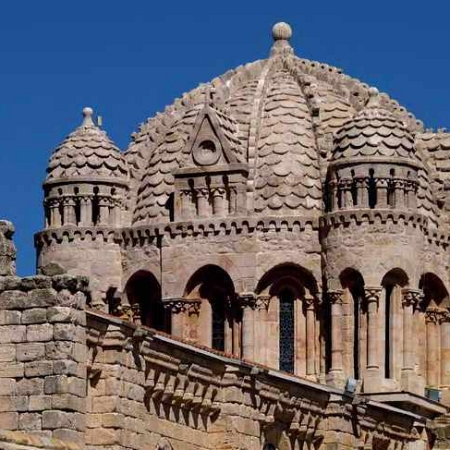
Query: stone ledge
{"x": 20, "y": 440}
{"x": 201, "y": 227}
{"x": 359, "y": 216}
{"x": 56, "y": 282}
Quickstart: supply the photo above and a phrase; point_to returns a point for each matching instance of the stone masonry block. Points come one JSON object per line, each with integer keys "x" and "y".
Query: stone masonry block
{"x": 40, "y": 333}
{"x": 42, "y": 298}
{"x": 38, "y": 368}
{"x": 68, "y": 402}
{"x": 39, "y": 402}
{"x": 33, "y": 386}
{"x": 35, "y": 315}
{"x": 30, "y": 352}
{"x": 30, "y": 421}
{"x": 14, "y": 300}
{"x": 65, "y": 367}
{"x": 55, "y": 419}
{"x": 10, "y": 317}
{"x": 7, "y": 352}
{"x": 12, "y": 333}
{"x": 60, "y": 314}
{"x": 65, "y": 332}
{"x": 59, "y": 350}
{"x": 13, "y": 403}
{"x": 66, "y": 435}
{"x": 9, "y": 420}
{"x": 11, "y": 370}
{"x": 8, "y": 386}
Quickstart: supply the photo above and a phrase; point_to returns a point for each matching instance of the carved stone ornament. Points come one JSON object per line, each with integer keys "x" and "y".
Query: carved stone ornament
{"x": 182, "y": 305}
{"x": 207, "y": 152}
{"x": 254, "y": 301}
{"x": 336, "y": 296}
{"x": 411, "y": 297}
{"x": 434, "y": 315}
{"x": 372, "y": 294}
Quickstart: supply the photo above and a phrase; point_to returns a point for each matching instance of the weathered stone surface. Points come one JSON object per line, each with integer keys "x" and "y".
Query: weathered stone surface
{"x": 287, "y": 225}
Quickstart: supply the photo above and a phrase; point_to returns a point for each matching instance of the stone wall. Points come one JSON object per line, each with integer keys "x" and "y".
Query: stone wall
{"x": 43, "y": 355}
{"x": 146, "y": 389}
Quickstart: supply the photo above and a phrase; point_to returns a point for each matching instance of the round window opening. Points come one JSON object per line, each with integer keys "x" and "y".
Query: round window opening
{"x": 206, "y": 153}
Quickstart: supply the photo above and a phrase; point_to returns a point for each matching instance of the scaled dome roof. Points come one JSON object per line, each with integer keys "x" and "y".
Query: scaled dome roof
{"x": 375, "y": 133}
{"x": 87, "y": 153}
{"x": 285, "y": 111}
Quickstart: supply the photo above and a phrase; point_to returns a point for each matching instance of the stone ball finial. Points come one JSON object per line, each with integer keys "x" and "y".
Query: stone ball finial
{"x": 281, "y": 31}
{"x": 373, "y": 92}
{"x": 87, "y": 116}
{"x": 374, "y": 99}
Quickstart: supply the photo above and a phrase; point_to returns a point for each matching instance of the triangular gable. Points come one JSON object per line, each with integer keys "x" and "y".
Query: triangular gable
{"x": 208, "y": 144}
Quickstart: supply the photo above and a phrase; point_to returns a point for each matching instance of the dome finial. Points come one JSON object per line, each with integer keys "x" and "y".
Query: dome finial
{"x": 281, "y": 31}
{"x": 374, "y": 98}
{"x": 87, "y": 117}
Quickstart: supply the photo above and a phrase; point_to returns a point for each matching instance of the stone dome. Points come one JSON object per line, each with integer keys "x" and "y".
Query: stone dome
{"x": 87, "y": 153}
{"x": 375, "y": 133}
{"x": 285, "y": 112}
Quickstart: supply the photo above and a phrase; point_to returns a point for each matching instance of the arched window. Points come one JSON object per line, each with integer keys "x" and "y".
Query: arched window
{"x": 144, "y": 290}
{"x": 435, "y": 351}
{"x": 292, "y": 317}
{"x": 392, "y": 282}
{"x": 220, "y": 318}
{"x": 287, "y": 331}
{"x": 353, "y": 284}
{"x": 372, "y": 189}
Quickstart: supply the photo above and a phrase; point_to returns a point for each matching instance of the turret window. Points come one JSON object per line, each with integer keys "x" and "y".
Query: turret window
{"x": 287, "y": 332}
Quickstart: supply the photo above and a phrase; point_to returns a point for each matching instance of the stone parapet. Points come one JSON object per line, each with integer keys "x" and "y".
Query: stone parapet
{"x": 43, "y": 356}
{"x": 18, "y": 440}
{"x": 198, "y": 398}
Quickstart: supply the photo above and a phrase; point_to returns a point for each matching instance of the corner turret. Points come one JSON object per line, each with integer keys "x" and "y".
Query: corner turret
{"x": 84, "y": 201}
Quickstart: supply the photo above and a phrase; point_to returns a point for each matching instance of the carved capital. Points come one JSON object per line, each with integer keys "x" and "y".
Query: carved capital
{"x": 254, "y": 301}
{"x": 218, "y": 192}
{"x": 346, "y": 184}
{"x": 336, "y": 296}
{"x": 372, "y": 294}
{"x": 311, "y": 301}
{"x": 434, "y": 315}
{"x": 382, "y": 183}
{"x": 202, "y": 192}
{"x": 182, "y": 305}
{"x": 411, "y": 297}
{"x": 445, "y": 316}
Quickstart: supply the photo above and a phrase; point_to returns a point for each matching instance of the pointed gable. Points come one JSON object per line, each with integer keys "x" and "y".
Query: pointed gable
{"x": 213, "y": 140}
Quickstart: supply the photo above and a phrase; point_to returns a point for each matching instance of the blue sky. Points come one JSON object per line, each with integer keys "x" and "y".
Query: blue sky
{"x": 128, "y": 59}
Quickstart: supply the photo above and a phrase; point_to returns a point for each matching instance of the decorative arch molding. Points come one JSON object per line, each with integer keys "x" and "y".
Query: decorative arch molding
{"x": 192, "y": 266}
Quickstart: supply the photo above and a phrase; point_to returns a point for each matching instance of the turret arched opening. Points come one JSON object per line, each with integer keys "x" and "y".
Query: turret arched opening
{"x": 354, "y": 322}
{"x": 391, "y": 320}
{"x": 219, "y": 318}
{"x": 435, "y": 331}
{"x": 143, "y": 292}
